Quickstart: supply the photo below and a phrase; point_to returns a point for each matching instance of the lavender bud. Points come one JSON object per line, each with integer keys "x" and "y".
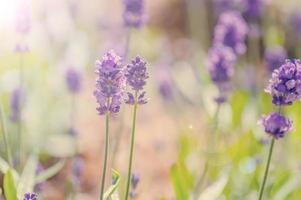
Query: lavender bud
{"x": 110, "y": 83}
{"x": 30, "y": 196}
{"x": 231, "y": 31}
{"x": 276, "y": 125}
{"x": 73, "y": 80}
{"x": 133, "y": 13}
{"x": 285, "y": 84}
{"x": 16, "y": 101}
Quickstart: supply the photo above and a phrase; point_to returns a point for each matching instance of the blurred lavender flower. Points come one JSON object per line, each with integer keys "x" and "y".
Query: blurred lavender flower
{"x": 231, "y": 31}
{"x": 136, "y": 75}
{"x": 275, "y": 57}
{"x": 78, "y": 167}
{"x": 285, "y": 84}
{"x": 23, "y": 18}
{"x": 221, "y": 6}
{"x": 276, "y": 125}
{"x": 133, "y": 15}
{"x": 73, "y": 80}
{"x": 165, "y": 89}
{"x": 109, "y": 84}
{"x": 39, "y": 186}
{"x": 21, "y": 48}
{"x": 295, "y": 22}
{"x": 220, "y": 65}
{"x": 30, "y": 196}
{"x": 134, "y": 183}
{"x": 253, "y": 8}
{"x": 15, "y": 104}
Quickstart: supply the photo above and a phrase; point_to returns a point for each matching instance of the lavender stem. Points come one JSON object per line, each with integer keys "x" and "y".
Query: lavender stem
{"x": 5, "y": 137}
{"x": 131, "y": 147}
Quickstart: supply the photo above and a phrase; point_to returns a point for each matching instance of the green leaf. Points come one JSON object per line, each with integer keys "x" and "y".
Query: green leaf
{"x": 111, "y": 192}
{"x": 4, "y": 166}
{"x": 9, "y": 185}
{"x": 49, "y": 172}
{"x": 27, "y": 179}
{"x": 178, "y": 183}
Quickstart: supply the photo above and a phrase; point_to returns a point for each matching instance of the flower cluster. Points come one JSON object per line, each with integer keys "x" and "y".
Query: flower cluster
{"x": 231, "y": 31}
{"x": 112, "y": 79}
{"x": 30, "y": 196}
{"x": 285, "y": 84}
{"x": 220, "y": 63}
{"x": 275, "y": 57}
{"x": 276, "y": 125}
{"x": 133, "y": 13}
{"x": 110, "y": 83}
{"x": 253, "y": 8}
{"x": 73, "y": 80}
{"x": 136, "y": 75}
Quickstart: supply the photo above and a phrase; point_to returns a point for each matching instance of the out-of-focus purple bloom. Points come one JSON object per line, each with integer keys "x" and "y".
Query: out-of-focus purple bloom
{"x": 16, "y": 101}
{"x": 78, "y": 167}
{"x": 231, "y": 31}
{"x": 221, "y": 64}
{"x": 221, "y": 6}
{"x": 21, "y": 48}
{"x": 295, "y": 22}
{"x": 73, "y": 80}
{"x": 30, "y": 196}
{"x": 275, "y": 57}
{"x": 253, "y": 8}
{"x": 136, "y": 75}
{"x": 165, "y": 89}
{"x": 285, "y": 84}
{"x": 110, "y": 83}
{"x": 39, "y": 186}
{"x": 276, "y": 125}
{"x": 23, "y": 18}
{"x": 133, "y": 15}
{"x": 135, "y": 180}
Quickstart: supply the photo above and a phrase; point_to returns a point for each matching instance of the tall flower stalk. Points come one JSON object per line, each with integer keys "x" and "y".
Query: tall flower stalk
{"x": 136, "y": 75}
{"x": 285, "y": 88}
{"x": 109, "y": 89}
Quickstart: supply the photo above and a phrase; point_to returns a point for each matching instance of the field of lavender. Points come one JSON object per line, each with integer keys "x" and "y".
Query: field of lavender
{"x": 150, "y": 99}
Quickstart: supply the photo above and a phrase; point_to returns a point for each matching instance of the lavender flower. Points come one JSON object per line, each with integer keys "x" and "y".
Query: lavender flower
{"x": 221, "y": 6}
{"x": 136, "y": 75}
{"x": 231, "y": 31}
{"x": 30, "y": 196}
{"x": 275, "y": 57}
{"x": 134, "y": 183}
{"x": 15, "y": 104}
{"x": 285, "y": 84}
{"x": 109, "y": 84}
{"x": 78, "y": 167}
{"x": 73, "y": 80}
{"x": 295, "y": 22}
{"x": 220, "y": 64}
{"x": 253, "y": 8}
{"x": 276, "y": 125}
{"x": 133, "y": 13}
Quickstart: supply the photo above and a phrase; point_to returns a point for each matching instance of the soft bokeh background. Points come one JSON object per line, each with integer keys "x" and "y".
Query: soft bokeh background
{"x": 174, "y": 127}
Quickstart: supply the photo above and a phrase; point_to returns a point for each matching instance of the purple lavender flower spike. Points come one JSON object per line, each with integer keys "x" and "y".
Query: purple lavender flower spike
{"x": 285, "y": 84}
{"x": 15, "y": 104}
{"x": 135, "y": 180}
{"x": 220, "y": 64}
{"x": 276, "y": 125}
{"x": 30, "y": 196}
{"x": 73, "y": 80}
{"x": 295, "y": 22}
{"x": 133, "y": 15}
{"x": 110, "y": 83}
{"x": 78, "y": 167}
{"x": 136, "y": 75}
{"x": 231, "y": 31}
{"x": 23, "y": 18}
{"x": 275, "y": 57}
{"x": 253, "y": 8}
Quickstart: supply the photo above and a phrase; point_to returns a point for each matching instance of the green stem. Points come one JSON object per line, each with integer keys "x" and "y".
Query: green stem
{"x": 131, "y": 149}
{"x": 266, "y": 169}
{"x": 105, "y": 159}
{"x": 21, "y": 111}
{"x": 5, "y": 137}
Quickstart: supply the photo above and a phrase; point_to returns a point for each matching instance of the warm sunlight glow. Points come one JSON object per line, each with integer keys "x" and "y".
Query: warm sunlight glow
{"x": 8, "y": 10}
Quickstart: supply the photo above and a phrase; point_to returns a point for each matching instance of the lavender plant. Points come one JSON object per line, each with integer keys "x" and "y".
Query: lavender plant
{"x": 285, "y": 88}
{"x": 109, "y": 89}
{"x": 136, "y": 75}
{"x": 275, "y": 57}
{"x": 30, "y": 196}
